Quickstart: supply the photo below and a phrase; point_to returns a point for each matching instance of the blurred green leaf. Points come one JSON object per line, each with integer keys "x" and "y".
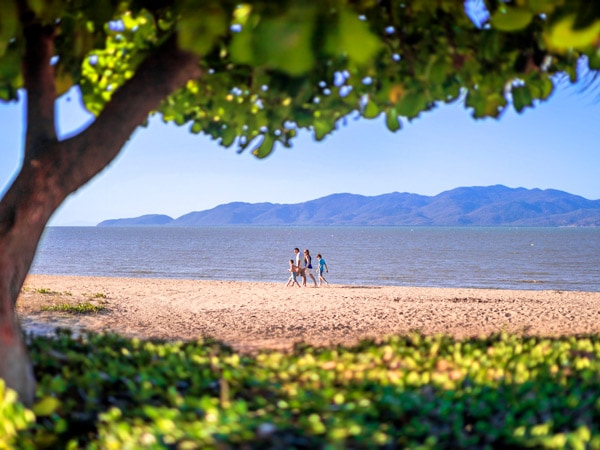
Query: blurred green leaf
{"x": 9, "y": 20}
{"x": 241, "y": 49}
{"x": 541, "y": 6}
{"x": 10, "y": 67}
{"x": 47, "y": 10}
{"x": 490, "y": 44}
{"x": 438, "y": 69}
{"x": 521, "y": 97}
{"x": 200, "y": 26}
{"x": 541, "y": 86}
{"x": 228, "y": 136}
{"x": 282, "y": 42}
{"x": 410, "y": 104}
{"x": 594, "y": 60}
{"x": 391, "y": 120}
{"x": 63, "y": 81}
{"x": 562, "y": 35}
{"x": 46, "y": 406}
{"x": 485, "y": 104}
{"x": 352, "y": 36}
{"x": 322, "y": 128}
{"x": 265, "y": 148}
{"x": 508, "y": 18}
{"x": 371, "y": 110}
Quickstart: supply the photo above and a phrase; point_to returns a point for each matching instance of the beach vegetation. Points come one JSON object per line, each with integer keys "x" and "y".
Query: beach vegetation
{"x": 47, "y": 291}
{"x": 78, "y": 308}
{"x": 96, "y": 295}
{"x": 416, "y": 391}
{"x": 252, "y": 75}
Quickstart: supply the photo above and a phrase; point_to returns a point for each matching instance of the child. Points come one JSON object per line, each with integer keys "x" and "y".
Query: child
{"x": 293, "y": 270}
{"x": 322, "y": 267}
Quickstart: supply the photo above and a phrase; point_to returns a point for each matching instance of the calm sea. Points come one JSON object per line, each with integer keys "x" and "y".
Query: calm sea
{"x": 504, "y": 258}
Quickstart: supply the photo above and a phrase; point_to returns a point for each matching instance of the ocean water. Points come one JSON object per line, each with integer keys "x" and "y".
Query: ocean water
{"x": 500, "y": 258}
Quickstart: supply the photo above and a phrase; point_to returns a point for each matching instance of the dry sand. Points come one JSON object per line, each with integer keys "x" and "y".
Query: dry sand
{"x": 251, "y": 316}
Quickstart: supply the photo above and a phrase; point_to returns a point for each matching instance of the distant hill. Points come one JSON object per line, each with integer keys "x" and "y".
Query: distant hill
{"x": 465, "y": 206}
{"x": 142, "y": 221}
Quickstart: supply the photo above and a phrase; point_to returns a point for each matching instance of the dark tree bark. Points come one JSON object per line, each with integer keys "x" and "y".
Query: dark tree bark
{"x": 54, "y": 169}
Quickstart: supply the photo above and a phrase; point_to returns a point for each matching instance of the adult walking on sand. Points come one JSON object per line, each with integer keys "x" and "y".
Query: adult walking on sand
{"x": 299, "y": 267}
{"x": 308, "y": 268}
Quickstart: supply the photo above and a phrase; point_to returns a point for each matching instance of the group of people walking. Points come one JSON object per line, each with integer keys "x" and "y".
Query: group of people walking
{"x": 302, "y": 266}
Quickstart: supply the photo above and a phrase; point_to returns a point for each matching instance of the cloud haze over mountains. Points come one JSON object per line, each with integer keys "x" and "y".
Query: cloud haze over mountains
{"x": 464, "y": 206}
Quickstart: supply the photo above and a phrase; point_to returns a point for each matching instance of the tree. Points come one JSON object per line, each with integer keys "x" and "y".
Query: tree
{"x": 251, "y": 75}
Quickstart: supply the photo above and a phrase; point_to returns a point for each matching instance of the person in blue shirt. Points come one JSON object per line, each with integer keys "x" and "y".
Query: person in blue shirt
{"x": 322, "y": 268}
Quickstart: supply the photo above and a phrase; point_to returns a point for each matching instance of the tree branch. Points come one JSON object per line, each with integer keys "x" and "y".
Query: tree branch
{"x": 38, "y": 75}
{"x": 162, "y": 73}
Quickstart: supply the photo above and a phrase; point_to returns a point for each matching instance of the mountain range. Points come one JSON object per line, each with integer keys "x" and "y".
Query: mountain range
{"x": 465, "y": 206}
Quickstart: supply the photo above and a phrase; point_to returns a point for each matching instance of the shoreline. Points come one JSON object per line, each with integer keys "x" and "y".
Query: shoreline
{"x": 252, "y": 316}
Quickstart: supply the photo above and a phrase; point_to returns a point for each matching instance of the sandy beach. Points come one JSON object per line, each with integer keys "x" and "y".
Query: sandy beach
{"x": 252, "y": 316}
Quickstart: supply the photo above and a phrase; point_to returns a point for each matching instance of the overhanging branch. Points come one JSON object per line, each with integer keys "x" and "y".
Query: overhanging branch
{"x": 162, "y": 73}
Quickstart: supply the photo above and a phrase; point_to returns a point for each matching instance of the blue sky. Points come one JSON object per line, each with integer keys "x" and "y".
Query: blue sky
{"x": 165, "y": 169}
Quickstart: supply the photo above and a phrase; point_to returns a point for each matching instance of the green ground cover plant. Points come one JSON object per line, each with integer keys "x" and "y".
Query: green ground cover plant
{"x": 50, "y": 292}
{"x": 79, "y": 308}
{"x": 110, "y": 392}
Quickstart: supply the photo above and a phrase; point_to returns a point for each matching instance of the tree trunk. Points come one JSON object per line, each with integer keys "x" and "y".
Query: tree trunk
{"x": 24, "y": 212}
{"x": 52, "y": 170}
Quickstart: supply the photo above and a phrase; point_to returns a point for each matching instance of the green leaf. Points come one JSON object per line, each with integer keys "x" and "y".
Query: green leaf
{"x": 47, "y": 10}
{"x": 63, "y": 81}
{"x": 509, "y": 18}
{"x": 129, "y": 21}
{"x": 562, "y": 35}
{"x": 286, "y": 45}
{"x": 228, "y": 136}
{"x": 485, "y": 104}
{"x": 196, "y": 127}
{"x": 541, "y": 6}
{"x": 10, "y": 65}
{"x": 9, "y": 20}
{"x": 411, "y": 104}
{"x": 490, "y": 45}
{"x": 391, "y": 120}
{"x": 265, "y": 148}
{"x": 199, "y": 28}
{"x": 541, "y": 86}
{"x": 352, "y": 37}
{"x": 303, "y": 117}
{"x": 282, "y": 42}
{"x": 521, "y": 97}
{"x": 452, "y": 90}
{"x": 371, "y": 110}
{"x": 438, "y": 69}
{"x": 46, "y": 406}
{"x": 594, "y": 60}
{"x": 240, "y": 49}
{"x": 322, "y": 128}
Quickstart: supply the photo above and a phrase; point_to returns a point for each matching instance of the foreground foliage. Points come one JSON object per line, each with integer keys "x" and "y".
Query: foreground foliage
{"x": 252, "y": 75}
{"x": 106, "y": 391}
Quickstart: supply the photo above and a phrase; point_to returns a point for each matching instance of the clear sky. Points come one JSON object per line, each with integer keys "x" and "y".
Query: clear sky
{"x": 165, "y": 169}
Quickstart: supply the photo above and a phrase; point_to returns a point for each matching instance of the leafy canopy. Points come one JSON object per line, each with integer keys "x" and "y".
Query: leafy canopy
{"x": 272, "y": 68}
